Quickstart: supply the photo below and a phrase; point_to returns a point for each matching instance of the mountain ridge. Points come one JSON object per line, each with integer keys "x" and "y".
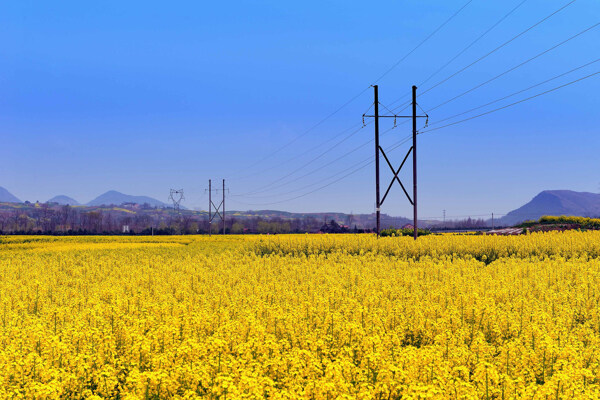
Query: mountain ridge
{"x": 555, "y": 202}
{"x": 118, "y": 198}
{"x": 64, "y": 200}
{"x": 8, "y": 197}
{"x": 548, "y": 202}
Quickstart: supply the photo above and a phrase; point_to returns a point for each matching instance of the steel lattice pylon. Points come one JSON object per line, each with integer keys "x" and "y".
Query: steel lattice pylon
{"x": 176, "y": 196}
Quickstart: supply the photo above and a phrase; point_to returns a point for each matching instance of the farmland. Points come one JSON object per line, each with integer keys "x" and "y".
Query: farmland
{"x": 301, "y": 316}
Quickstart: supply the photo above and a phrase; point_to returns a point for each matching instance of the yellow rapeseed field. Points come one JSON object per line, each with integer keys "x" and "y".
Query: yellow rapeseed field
{"x": 301, "y": 316}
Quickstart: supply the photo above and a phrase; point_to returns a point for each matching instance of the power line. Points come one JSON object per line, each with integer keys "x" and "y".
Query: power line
{"x": 367, "y": 162}
{"x": 481, "y": 58}
{"x": 511, "y": 104}
{"x": 496, "y": 49}
{"x": 378, "y": 79}
{"x": 258, "y": 190}
{"x": 268, "y": 187}
{"x": 463, "y": 216}
{"x": 310, "y": 192}
{"x": 423, "y": 41}
{"x": 515, "y": 67}
{"x": 511, "y": 213}
{"x": 456, "y": 97}
{"x": 517, "y": 92}
{"x": 308, "y": 163}
{"x": 252, "y": 194}
{"x": 303, "y": 153}
{"x": 306, "y": 131}
{"x": 362, "y": 91}
{"x": 428, "y": 130}
{"x": 501, "y": 46}
{"x": 308, "y": 173}
{"x": 461, "y": 52}
{"x": 313, "y": 170}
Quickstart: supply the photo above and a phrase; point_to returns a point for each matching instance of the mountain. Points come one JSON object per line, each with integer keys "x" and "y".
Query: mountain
{"x": 112, "y": 197}
{"x": 63, "y": 200}
{"x": 7, "y": 197}
{"x": 556, "y": 202}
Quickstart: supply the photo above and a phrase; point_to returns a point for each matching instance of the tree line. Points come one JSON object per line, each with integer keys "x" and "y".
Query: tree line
{"x": 53, "y": 219}
{"x": 43, "y": 218}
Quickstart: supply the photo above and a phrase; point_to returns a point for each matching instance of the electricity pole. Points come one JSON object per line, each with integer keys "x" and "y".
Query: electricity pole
{"x": 219, "y": 209}
{"x": 414, "y": 119}
{"x": 377, "y": 202}
{"x": 378, "y": 149}
{"x": 176, "y": 195}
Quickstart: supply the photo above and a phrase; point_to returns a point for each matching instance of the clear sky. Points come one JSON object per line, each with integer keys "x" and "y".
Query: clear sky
{"x": 141, "y": 97}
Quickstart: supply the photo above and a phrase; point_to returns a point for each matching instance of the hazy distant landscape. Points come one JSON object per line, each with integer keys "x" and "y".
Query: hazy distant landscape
{"x": 110, "y": 212}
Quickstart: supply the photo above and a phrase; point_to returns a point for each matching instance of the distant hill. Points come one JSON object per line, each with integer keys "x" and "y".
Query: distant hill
{"x": 360, "y": 220}
{"x": 8, "y": 197}
{"x": 64, "y": 200}
{"x": 555, "y": 202}
{"x": 112, "y": 197}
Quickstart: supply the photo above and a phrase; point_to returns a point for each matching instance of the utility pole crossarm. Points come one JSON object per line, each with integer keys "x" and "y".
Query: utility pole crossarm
{"x": 396, "y": 116}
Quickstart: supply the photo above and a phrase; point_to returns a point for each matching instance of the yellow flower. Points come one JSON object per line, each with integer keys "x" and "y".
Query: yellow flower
{"x": 301, "y": 316}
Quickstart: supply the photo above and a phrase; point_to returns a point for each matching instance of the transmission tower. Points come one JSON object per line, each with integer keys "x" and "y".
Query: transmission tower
{"x": 176, "y": 196}
{"x": 379, "y": 149}
{"x": 219, "y": 210}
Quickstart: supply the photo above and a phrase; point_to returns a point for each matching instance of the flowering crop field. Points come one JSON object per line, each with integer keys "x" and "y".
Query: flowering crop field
{"x": 301, "y": 316}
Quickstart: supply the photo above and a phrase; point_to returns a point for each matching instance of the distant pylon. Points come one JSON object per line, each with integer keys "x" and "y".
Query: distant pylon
{"x": 176, "y": 196}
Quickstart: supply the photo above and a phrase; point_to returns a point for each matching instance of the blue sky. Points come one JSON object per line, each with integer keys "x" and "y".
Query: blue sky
{"x": 144, "y": 96}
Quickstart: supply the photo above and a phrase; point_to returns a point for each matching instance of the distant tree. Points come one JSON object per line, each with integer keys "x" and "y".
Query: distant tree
{"x": 350, "y": 219}
{"x": 237, "y": 228}
{"x": 263, "y": 227}
{"x": 186, "y": 222}
{"x": 215, "y": 228}
{"x": 333, "y": 227}
{"x": 92, "y": 221}
{"x": 3, "y": 221}
{"x": 108, "y": 223}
